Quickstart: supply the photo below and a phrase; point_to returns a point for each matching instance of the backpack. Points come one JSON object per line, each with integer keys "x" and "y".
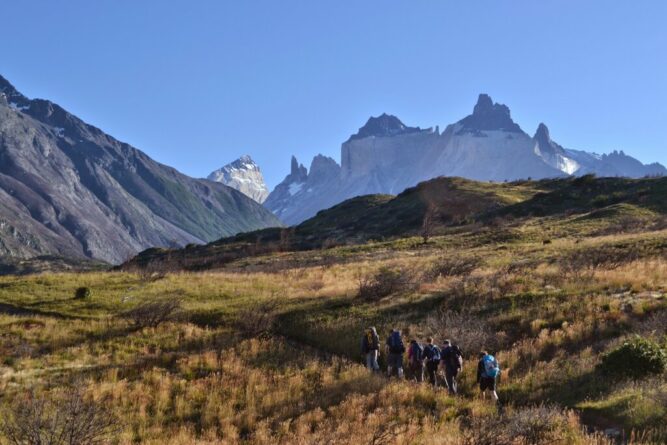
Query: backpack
{"x": 491, "y": 368}
{"x": 455, "y": 357}
{"x": 370, "y": 339}
{"x": 417, "y": 352}
{"x": 396, "y": 345}
{"x": 432, "y": 352}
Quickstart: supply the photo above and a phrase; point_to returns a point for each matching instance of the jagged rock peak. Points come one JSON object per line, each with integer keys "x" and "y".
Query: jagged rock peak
{"x": 323, "y": 166}
{"x": 542, "y": 133}
{"x": 298, "y": 173}
{"x": 6, "y": 87}
{"x": 12, "y": 96}
{"x": 548, "y": 149}
{"x": 484, "y": 104}
{"x": 11, "y": 93}
{"x": 489, "y": 116}
{"x": 245, "y": 162}
{"x": 382, "y": 126}
{"x": 243, "y": 175}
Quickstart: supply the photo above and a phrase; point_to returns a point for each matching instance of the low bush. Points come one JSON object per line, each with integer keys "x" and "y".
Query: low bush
{"x": 450, "y": 267}
{"x": 531, "y": 425}
{"x": 582, "y": 264}
{"x": 637, "y": 357}
{"x": 384, "y": 282}
{"x": 258, "y": 320}
{"x": 65, "y": 419}
{"x": 152, "y": 313}
{"x": 82, "y": 293}
{"x": 466, "y": 330}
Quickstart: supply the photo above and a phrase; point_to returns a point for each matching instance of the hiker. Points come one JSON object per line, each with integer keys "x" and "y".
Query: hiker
{"x": 432, "y": 357}
{"x": 452, "y": 362}
{"x": 416, "y": 360}
{"x": 395, "y": 349}
{"x": 370, "y": 348}
{"x": 487, "y": 373}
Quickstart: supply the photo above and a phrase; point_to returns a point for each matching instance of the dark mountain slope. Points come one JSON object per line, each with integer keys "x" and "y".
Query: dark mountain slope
{"x": 454, "y": 204}
{"x": 67, "y": 188}
{"x": 451, "y": 201}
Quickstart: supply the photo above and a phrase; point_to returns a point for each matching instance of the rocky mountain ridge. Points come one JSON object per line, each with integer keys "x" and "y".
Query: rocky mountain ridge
{"x": 68, "y": 189}
{"x": 243, "y": 175}
{"x": 387, "y": 156}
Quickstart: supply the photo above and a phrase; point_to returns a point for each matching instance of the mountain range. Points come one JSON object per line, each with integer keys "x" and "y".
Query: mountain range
{"x": 69, "y": 189}
{"x": 243, "y": 175}
{"x": 385, "y": 156}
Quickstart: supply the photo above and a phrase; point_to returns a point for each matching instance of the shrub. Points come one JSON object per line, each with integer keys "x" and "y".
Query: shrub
{"x": 384, "y": 282}
{"x": 467, "y": 331}
{"x": 531, "y": 425}
{"x": 537, "y": 425}
{"x": 153, "y": 271}
{"x": 82, "y": 293}
{"x": 258, "y": 320}
{"x": 450, "y": 267}
{"x": 67, "y": 419}
{"x": 152, "y": 313}
{"x": 581, "y": 264}
{"x": 637, "y": 357}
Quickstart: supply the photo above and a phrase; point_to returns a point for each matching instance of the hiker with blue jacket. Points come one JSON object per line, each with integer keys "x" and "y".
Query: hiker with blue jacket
{"x": 395, "y": 351}
{"x": 488, "y": 371}
{"x": 452, "y": 363}
{"x": 416, "y": 360}
{"x": 370, "y": 348}
{"x": 432, "y": 359}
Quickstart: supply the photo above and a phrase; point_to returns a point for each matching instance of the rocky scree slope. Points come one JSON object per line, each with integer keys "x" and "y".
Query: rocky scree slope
{"x": 68, "y": 189}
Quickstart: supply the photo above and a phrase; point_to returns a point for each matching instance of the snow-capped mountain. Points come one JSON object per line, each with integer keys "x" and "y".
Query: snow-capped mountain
{"x": 243, "y": 175}
{"x": 387, "y": 156}
{"x": 68, "y": 189}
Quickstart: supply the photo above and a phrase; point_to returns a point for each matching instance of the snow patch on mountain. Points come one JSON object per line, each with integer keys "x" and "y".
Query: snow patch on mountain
{"x": 295, "y": 188}
{"x": 387, "y": 156}
{"x": 243, "y": 175}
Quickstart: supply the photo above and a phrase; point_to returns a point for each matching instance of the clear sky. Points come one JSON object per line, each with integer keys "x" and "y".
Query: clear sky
{"x": 197, "y": 83}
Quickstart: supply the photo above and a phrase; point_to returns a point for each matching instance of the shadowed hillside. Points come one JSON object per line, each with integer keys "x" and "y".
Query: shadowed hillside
{"x": 515, "y": 210}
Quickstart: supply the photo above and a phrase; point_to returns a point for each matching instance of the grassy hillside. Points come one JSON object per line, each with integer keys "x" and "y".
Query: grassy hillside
{"x": 523, "y": 210}
{"x": 264, "y": 348}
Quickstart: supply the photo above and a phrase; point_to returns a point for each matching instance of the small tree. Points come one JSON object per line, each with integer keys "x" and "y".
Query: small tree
{"x": 152, "y": 313}
{"x": 67, "y": 419}
{"x": 428, "y": 223}
{"x": 286, "y": 237}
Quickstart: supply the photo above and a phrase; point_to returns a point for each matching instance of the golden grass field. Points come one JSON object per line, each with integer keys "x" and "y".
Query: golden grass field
{"x": 266, "y": 349}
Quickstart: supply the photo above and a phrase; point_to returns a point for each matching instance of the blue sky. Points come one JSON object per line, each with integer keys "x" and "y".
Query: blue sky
{"x": 197, "y": 83}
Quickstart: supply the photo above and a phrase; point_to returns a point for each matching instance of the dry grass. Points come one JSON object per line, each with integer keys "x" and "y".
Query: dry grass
{"x": 233, "y": 367}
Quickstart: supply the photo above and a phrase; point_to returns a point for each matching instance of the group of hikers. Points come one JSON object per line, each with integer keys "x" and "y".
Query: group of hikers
{"x": 430, "y": 360}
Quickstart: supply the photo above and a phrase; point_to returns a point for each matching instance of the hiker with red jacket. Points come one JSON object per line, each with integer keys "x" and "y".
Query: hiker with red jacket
{"x": 452, "y": 363}
{"x": 432, "y": 359}
{"x": 488, "y": 371}
{"x": 370, "y": 348}
{"x": 395, "y": 351}
{"x": 416, "y": 360}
